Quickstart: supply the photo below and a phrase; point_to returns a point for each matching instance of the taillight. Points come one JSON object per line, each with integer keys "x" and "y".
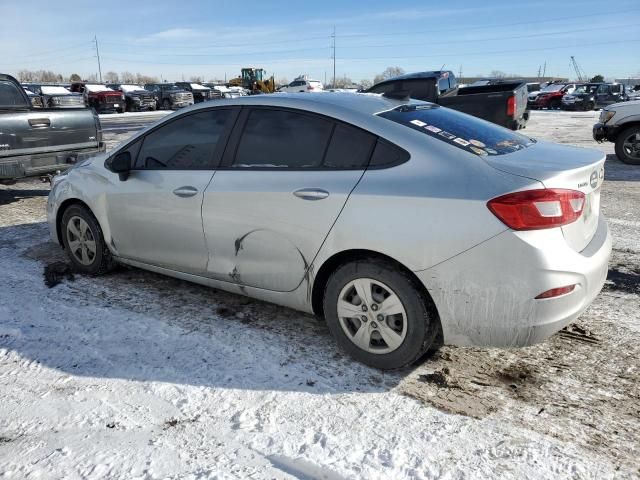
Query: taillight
{"x": 309, "y": 87}
{"x": 538, "y": 209}
{"x": 511, "y": 106}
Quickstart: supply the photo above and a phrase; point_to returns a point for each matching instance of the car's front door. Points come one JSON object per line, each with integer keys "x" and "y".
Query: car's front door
{"x": 603, "y": 96}
{"x": 155, "y": 214}
{"x": 284, "y": 180}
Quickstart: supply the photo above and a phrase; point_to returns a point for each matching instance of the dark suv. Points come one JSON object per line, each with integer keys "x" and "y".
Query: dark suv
{"x": 136, "y": 97}
{"x": 169, "y": 96}
{"x": 588, "y": 96}
{"x": 200, "y": 92}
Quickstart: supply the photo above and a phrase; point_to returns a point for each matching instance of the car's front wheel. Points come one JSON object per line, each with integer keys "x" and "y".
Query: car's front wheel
{"x": 83, "y": 241}
{"x": 628, "y": 145}
{"x": 378, "y": 314}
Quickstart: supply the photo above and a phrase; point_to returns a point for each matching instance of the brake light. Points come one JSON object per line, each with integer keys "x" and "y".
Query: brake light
{"x": 309, "y": 87}
{"x": 556, "y": 292}
{"x": 511, "y": 106}
{"x": 538, "y": 209}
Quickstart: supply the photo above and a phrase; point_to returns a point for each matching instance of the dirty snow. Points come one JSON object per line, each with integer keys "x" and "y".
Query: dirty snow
{"x": 138, "y": 376}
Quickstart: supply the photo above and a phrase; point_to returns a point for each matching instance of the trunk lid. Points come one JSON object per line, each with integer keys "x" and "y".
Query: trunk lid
{"x": 561, "y": 166}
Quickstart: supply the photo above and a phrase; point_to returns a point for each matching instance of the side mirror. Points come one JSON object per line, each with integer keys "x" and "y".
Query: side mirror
{"x": 121, "y": 164}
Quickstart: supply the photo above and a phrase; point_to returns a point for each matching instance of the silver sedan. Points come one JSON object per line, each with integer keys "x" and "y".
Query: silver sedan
{"x": 404, "y": 224}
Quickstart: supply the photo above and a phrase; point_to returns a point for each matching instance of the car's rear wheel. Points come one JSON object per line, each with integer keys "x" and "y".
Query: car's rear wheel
{"x": 378, "y": 314}
{"x": 555, "y": 105}
{"x": 628, "y": 145}
{"x": 83, "y": 241}
{"x": 166, "y": 104}
{"x": 588, "y": 106}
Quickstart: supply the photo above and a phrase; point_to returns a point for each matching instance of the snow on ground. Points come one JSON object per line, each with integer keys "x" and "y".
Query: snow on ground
{"x": 138, "y": 376}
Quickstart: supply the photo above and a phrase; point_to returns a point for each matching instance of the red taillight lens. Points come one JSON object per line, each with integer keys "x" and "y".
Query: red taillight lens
{"x": 556, "y": 292}
{"x": 309, "y": 87}
{"x": 538, "y": 209}
{"x": 511, "y": 106}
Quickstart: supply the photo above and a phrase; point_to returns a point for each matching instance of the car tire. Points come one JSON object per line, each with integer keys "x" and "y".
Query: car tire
{"x": 588, "y": 106}
{"x": 84, "y": 242}
{"x": 555, "y": 105}
{"x": 626, "y": 146}
{"x": 166, "y": 104}
{"x": 388, "y": 341}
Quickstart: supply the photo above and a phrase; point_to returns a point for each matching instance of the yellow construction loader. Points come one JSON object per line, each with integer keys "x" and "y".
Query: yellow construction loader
{"x": 253, "y": 79}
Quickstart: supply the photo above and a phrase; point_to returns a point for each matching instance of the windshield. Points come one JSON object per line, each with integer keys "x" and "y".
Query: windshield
{"x": 131, "y": 88}
{"x": 553, "y": 88}
{"x": 585, "y": 89}
{"x": 462, "y": 131}
{"x": 54, "y": 90}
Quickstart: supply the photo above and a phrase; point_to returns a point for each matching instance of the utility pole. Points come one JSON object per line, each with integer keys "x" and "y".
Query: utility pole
{"x": 334, "y": 56}
{"x": 95, "y": 39}
{"x": 544, "y": 70}
{"x": 460, "y": 74}
{"x": 539, "y": 71}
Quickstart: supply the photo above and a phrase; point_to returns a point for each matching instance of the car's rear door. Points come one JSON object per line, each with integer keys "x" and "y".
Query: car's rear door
{"x": 155, "y": 215}
{"x": 285, "y": 178}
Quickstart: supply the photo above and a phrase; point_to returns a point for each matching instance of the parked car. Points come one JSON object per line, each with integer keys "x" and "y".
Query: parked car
{"x": 169, "y": 96}
{"x": 57, "y": 96}
{"x": 550, "y": 96}
{"x": 620, "y": 123}
{"x": 501, "y": 102}
{"x": 40, "y": 141}
{"x": 633, "y": 93}
{"x": 403, "y": 223}
{"x": 136, "y": 97}
{"x": 100, "y": 97}
{"x": 302, "y": 85}
{"x": 36, "y": 100}
{"x": 200, "y": 92}
{"x": 588, "y": 96}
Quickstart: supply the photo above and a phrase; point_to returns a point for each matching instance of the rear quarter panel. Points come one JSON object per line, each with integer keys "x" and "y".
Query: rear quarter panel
{"x": 426, "y": 210}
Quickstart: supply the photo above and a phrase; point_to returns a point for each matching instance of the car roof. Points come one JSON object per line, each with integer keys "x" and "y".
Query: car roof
{"x": 363, "y": 103}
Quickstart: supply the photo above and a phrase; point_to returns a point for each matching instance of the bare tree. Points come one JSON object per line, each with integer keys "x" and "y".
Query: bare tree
{"x": 390, "y": 72}
{"x": 282, "y": 81}
{"x": 142, "y": 79}
{"x": 111, "y": 77}
{"x": 92, "y": 78}
{"x": 497, "y": 74}
{"x": 343, "y": 82}
{"x": 365, "y": 83}
{"x": 127, "y": 77}
{"x": 196, "y": 79}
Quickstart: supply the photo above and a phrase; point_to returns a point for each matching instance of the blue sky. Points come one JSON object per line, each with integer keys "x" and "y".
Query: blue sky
{"x": 214, "y": 39}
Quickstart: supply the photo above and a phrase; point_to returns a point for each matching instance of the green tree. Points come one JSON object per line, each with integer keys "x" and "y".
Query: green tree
{"x": 75, "y": 77}
{"x": 597, "y": 79}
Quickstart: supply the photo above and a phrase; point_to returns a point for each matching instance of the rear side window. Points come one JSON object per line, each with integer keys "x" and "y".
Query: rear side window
{"x": 387, "y": 155}
{"x": 280, "y": 138}
{"x": 350, "y": 147}
{"x": 10, "y": 95}
{"x": 187, "y": 143}
{"x": 462, "y": 131}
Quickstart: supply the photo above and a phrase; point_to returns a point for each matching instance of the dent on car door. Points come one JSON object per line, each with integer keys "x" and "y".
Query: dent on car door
{"x": 155, "y": 215}
{"x": 283, "y": 183}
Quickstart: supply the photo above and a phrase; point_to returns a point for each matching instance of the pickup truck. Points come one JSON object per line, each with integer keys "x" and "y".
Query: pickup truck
{"x": 169, "y": 96}
{"x": 57, "y": 96}
{"x": 136, "y": 98}
{"x": 41, "y": 141}
{"x": 620, "y": 123}
{"x": 501, "y": 102}
{"x": 100, "y": 97}
{"x": 200, "y": 93}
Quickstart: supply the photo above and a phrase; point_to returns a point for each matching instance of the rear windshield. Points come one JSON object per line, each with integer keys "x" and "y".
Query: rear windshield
{"x": 460, "y": 130}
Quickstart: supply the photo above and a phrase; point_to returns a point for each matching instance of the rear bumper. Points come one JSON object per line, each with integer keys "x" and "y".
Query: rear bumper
{"x": 486, "y": 296}
{"x": 34, "y": 165}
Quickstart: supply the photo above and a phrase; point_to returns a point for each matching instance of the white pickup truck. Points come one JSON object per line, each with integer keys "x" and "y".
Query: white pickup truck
{"x": 620, "y": 123}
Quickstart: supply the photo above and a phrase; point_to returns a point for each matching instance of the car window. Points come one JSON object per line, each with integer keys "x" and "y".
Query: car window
{"x": 10, "y": 95}
{"x": 350, "y": 147}
{"x": 280, "y": 138}
{"x": 459, "y": 130}
{"x": 387, "y": 154}
{"x": 603, "y": 89}
{"x": 443, "y": 85}
{"x": 187, "y": 143}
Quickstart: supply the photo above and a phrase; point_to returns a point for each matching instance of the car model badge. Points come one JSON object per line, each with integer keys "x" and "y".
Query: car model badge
{"x": 593, "y": 180}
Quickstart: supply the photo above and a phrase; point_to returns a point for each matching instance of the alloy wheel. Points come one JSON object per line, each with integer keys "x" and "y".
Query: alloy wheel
{"x": 81, "y": 241}
{"x": 372, "y": 316}
{"x": 631, "y": 145}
